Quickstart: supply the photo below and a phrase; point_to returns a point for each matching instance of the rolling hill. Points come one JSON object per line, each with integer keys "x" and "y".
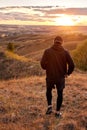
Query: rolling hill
{"x": 22, "y": 82}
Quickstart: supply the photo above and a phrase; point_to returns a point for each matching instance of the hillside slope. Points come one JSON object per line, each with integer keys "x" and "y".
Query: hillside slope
{"x": 16, "y": 66}
{"x": 23, "y": 104}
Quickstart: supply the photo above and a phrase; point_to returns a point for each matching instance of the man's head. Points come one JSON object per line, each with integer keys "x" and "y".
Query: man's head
{"x": 58, "y": 40}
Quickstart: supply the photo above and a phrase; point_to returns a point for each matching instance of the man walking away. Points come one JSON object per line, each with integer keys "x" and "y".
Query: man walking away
{"x": 58, "y": 64}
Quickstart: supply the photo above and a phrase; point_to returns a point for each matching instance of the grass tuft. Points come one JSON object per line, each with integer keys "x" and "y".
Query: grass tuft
{"x": 12, "y": 55}
{"x": 80, "y": 56}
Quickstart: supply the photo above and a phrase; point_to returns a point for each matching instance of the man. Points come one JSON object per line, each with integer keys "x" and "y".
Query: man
{"x": 58, "y": 64}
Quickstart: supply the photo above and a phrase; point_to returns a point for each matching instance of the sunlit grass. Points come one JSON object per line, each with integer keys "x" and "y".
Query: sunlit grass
{"x": 23, "y": 104}
{"x": 16, "y": 56}
{"x": 80, "y": 56}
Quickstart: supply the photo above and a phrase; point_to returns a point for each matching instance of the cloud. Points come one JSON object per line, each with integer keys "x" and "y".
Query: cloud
{"x": 5, "y": 17}
{"x": 45, "y": 10}
{"x": 22, "y": 17}
{"x": 38, "y": 13}
{"x": 70, "y": 11}
{"x": 76, "y": 11}
{"x": 19, "y": 16}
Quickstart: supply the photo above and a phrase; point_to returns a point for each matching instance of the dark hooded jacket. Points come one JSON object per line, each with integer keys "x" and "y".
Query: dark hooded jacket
{"x": 57, "y": 62}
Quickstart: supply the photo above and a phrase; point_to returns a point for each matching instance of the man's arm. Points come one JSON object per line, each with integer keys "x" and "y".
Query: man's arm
{"x": 43, "y": 61}
{"x": 70, "y": 63}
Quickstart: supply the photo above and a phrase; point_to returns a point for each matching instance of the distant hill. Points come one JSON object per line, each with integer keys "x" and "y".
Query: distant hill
{"x": 30, "y": 40}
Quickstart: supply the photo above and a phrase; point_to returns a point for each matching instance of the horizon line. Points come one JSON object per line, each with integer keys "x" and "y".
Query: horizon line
{"x": 43, "y": 25}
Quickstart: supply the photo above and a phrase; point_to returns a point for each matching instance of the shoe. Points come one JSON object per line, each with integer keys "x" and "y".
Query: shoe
{"x": 49, "y": 111}
{"x": 58, "y": 115}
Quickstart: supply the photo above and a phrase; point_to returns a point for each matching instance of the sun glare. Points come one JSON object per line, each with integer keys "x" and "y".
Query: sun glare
{"x": 65, "y": 21}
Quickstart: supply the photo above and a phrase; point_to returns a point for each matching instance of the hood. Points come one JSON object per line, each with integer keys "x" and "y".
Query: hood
{"x": 58, "y": 48}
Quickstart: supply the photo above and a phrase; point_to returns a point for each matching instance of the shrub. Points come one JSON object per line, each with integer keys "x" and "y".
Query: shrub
{"x": 10, "y": 47}
{"x": 80, "y": 56}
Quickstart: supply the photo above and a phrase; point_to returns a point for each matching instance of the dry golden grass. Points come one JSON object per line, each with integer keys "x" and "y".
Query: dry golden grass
{"x": 80, "y": 56}
{"x": 14, "y": 66}
{"x": 23, "y": 104}
{"x": 16, "y": 56}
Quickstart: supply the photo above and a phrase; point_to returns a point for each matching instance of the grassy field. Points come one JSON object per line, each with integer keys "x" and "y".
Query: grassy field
{"x": 22, "y": 85}
{"x": 23, "y": 104}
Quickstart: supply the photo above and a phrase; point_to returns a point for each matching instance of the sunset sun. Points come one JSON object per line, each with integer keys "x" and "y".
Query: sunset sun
{"x": 65, "y": 21}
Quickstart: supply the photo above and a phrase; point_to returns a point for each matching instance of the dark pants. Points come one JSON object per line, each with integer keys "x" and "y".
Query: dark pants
{"x": 59, "y": 86}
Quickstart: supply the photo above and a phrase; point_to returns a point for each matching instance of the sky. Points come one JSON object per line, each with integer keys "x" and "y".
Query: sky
{"x": 44, "y": 12}
{"x": 67, "y": 3}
